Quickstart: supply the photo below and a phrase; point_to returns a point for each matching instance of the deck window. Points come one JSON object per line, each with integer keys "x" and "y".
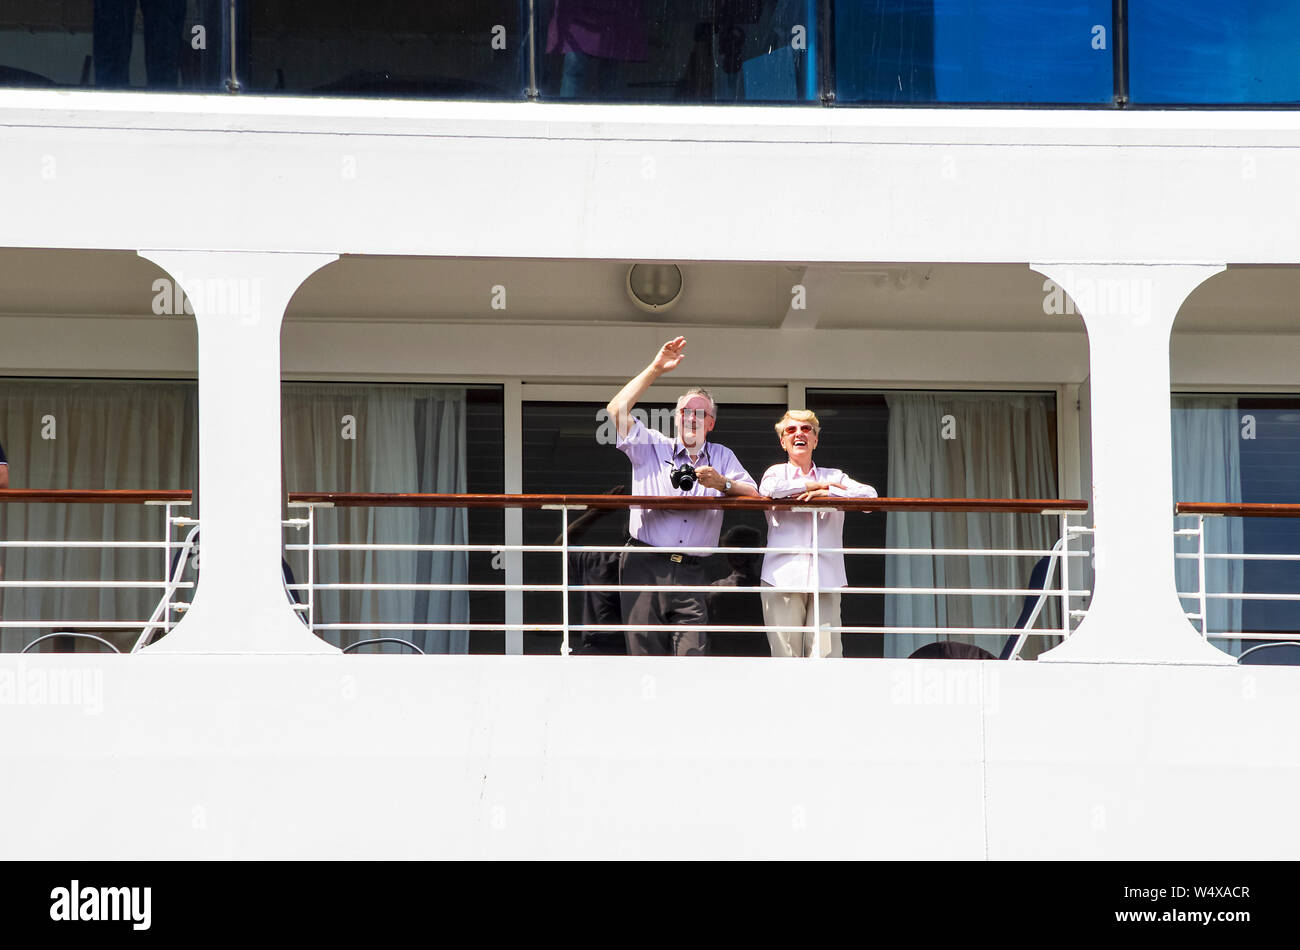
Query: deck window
{"x": 953, "y": 51}
{"x": 395, "y": 438}
{"x": 161, "y": 45}
{"x": 1204, "y": 52}
{"x": 90, "y": 434}
{"x": 1230, "y": 448}
{"x": 941, "y": 445}
{"x": 384, "y": 48}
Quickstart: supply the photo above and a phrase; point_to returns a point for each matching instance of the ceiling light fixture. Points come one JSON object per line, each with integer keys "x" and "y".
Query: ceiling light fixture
{"x": 654, "y": 288}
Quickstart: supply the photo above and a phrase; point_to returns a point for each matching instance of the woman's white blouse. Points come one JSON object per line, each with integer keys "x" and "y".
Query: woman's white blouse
{"x": 794, "y": 529}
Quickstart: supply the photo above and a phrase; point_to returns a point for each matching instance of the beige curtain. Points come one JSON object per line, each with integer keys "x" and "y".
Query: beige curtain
{"x": 966, "y": 445}
{"x": 372, "y": 438}
{"x": 90, "y": 434}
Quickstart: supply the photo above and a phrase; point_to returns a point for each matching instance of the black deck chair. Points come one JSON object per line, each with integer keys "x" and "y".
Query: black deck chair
{"x": 1281, "y": 653}
{"x": 1037, "y": 581}
{"x": 954, "y": 650}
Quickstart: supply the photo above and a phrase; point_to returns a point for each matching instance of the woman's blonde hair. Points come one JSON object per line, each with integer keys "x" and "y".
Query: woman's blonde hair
{"x": 798, "y": 415}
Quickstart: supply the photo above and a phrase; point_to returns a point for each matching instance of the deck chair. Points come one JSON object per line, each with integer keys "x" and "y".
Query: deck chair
{"x": 1281, "y": 653}
{"x": 1039, "y": 579}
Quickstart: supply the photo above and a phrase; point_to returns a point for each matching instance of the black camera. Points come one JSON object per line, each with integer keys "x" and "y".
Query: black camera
{"x": 683, "y": 476}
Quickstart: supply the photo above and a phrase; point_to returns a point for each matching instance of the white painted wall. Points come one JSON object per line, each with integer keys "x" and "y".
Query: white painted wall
{"x": 130, "y": 170}
{"x": 525, "y": 757}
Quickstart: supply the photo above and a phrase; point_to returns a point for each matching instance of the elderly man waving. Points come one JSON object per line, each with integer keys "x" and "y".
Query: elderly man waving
{"x": 798, "y": 477}
{"x": 654, "y": 557}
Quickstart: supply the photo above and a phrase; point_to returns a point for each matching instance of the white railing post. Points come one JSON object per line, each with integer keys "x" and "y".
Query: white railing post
{"x": 816, "y": 589}
{"x": 1065, "y": 574}
{"x": 311, "y": 568}
{"x": 1200, "y": 574}
{"x": 167, "y": 568}
{"x": 564, "y": 578}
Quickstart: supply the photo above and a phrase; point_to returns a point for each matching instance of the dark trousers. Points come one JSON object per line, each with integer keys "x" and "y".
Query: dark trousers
{"x": 641, "y": 566}
{"x": 114, "y": 25}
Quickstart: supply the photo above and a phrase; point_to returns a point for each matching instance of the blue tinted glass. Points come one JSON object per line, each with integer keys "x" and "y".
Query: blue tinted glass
{"x": 674, "y": 50}
{"x": 962, "y": 51}
{"x": 162, "y": 45}
{"x": 1195, "y": 51}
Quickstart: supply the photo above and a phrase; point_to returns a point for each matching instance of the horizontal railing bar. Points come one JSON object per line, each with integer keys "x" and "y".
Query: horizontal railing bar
{"x": 1246, "y": 596}
{"x": 614, "y": 549}
{"x": 972, "y": 631}
{"x": 97, "y": 496}
{"x": 88, "y": 544}
{"x": 535, "y": 548}
{"x": 547, "y": 588}
{"x": 679, "y": 589}
{"x": 1241, "y": 557}
{"x": 619, "y": 502}
{"x": 1237, "y": 509}
{"x": 977, "y": 591}
{"x": 101, "y": 624}
{"x": 1255, "y": 636}
{"x": 696, "y": 628}
{"x": 97, "y": 584}
{"x": 954, "y": 552}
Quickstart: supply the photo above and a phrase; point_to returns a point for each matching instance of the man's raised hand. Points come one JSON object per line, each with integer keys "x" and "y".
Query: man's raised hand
{"x": 671, "y": 355}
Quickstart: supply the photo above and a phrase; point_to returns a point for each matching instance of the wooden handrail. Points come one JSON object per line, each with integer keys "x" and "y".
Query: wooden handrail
{"x": 100, "y": 496}
{"x": 417, "y": 500}
{"x": 1237, "y": 509}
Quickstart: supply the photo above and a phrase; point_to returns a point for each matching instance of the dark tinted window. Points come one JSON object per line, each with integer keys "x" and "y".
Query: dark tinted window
{"x": 656, "y": 50}
{"x": 161, "y": 45}
{"x": 562, "y": 454}
{"x": 385, "y": 48}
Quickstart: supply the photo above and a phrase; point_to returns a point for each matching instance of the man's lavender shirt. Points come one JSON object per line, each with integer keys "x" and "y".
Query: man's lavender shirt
{"x": 653, "y": 456}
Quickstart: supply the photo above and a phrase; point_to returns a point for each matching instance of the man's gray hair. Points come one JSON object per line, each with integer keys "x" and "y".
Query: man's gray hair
{"x": 698, "y": 391}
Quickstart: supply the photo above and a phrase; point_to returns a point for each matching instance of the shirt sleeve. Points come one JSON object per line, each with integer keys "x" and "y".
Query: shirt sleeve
{"x": 845, "y": 487}
{"x": 639, "y": 443}
{"x": 735, "y": 471}
{"x": 777, "y": 485}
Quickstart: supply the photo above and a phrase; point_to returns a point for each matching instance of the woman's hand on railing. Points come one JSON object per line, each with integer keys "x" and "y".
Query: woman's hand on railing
{"x": 821, "y": 491}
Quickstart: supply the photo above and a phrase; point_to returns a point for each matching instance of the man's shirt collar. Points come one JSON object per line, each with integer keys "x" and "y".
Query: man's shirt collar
{"x": 679, "y": 451}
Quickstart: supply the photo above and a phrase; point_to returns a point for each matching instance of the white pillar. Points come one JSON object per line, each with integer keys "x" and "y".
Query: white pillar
{"x": 1135, "y": 615}
{"x": 239, "y": 300}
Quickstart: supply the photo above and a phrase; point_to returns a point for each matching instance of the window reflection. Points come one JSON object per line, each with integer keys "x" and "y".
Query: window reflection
{"x": 385, "y": 48}
{"x": 687, "y": 50}
{"x": 956, "y": 51}
{"x": 159, "y": 45}
{"x": 1195, "y": 51}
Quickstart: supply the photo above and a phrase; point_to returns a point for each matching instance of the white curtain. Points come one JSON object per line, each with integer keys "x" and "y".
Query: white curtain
{"x": 966, "y": 445}
{"x": 90, "y": 434}
{"x": 1207, "y": 467}
{"x": 371, "y": 438}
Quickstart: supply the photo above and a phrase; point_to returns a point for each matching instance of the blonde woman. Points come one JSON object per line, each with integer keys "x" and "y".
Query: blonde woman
{"x": 798, "y": 477}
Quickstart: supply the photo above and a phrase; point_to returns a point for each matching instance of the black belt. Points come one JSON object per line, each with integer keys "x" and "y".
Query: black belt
{"x": 690, "y": 560}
